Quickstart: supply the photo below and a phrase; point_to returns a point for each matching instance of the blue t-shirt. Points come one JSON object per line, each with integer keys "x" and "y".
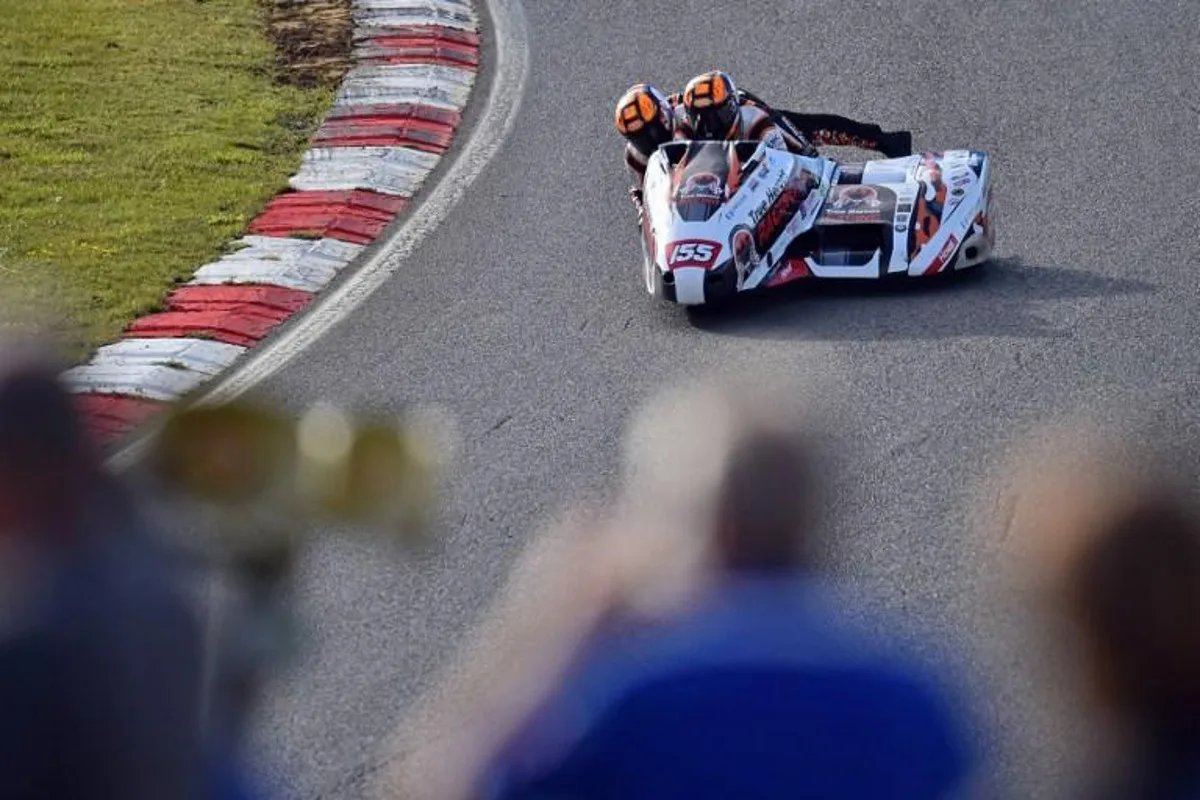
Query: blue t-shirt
{"x": 761, "y": 691}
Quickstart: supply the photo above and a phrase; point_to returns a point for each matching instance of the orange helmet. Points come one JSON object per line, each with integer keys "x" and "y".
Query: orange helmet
{"x": 643, "y": 117}
{"x": 711, "y": 104}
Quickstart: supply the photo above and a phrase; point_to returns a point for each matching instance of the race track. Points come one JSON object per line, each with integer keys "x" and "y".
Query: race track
{"x": 524, "y": 314}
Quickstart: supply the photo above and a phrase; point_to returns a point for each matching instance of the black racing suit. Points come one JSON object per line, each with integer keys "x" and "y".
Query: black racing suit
{"x": 825, "y": 130}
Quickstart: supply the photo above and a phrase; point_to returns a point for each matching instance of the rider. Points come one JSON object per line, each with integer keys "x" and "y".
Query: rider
{"x": 709, "y": 108}
{"x": 646, "y": 118}
{"x": 713, "y": 108}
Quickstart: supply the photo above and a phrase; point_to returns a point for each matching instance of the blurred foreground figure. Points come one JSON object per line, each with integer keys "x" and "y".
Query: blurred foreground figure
{"x": 99, "y": 654}
{"x": 688, "y": 648}
{"x": 1113, "y": 545}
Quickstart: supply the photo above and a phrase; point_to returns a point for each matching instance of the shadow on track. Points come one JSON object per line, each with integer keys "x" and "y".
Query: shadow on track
{"x": 997, "y": 300}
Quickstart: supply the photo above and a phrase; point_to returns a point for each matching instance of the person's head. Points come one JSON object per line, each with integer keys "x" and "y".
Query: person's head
{"x": 1133, "y": 589}
{"x": 643, "y": 117}
{"x": 711, "y": 105}
{"x": 765, "y": 502}
{"x": 46, "y": 458}
{"x": 735, "y": 466}
{"x": 1112, "y": 545}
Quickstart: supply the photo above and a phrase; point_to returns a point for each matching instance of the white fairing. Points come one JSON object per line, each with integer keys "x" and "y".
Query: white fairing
{"x": 947, "y": 227}
{"x": 966, "y": 197}
{"x": 746, "y": 207}
{"x": 689, "y": 286}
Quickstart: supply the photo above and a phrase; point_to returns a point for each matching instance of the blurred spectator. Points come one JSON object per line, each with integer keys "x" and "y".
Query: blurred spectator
{"x": 739, "y": 676}
{"x": 99, "y": 653}
{"x": 1114, "y": 550}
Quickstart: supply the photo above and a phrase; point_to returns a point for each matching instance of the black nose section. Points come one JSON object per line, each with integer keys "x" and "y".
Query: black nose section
{"x": 720, "y": 282}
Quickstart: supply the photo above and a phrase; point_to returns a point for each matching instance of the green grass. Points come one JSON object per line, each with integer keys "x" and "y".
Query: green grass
{"x": 137, "y": 137}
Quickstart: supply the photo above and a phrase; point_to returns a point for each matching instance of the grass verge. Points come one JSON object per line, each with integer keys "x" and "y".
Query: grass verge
{"x": 137, "y": 137}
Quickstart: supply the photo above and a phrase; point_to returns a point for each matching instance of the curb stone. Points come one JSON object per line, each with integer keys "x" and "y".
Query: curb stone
{"x": 393, "y": 119}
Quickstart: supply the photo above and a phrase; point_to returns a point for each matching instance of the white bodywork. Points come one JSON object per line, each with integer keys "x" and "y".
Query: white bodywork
{"x": 959, "y": 232}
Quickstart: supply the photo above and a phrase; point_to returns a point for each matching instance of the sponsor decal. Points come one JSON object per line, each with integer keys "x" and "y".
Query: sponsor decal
{"x": 904, "y": 208}
{"x": 731, "y": 212}
{"x": 943, "y": 256}
{"x": 856, "y": 197}
{"x": 804, "y": 180}
{"x": 692, "y": 253}
{"x": 775, "y": 139}
{"x": 799, "y": 184}
{"x": 892, "y": 173}
{"x": 806, "y": 183}
{"x": 857, "y": 203}
{"x": 957, "y": 193}
{"x": 930, "y": 171}
{"x": 745, "y": 252}
{"x": 806, "y": 213}
{"x": 761, "y": 209}
{"x": 975, "y": 163}
{"x": 901, "y": 227}
{"x": 777, "y": 217}
{"x": 960, "y": 179}
{"x": 702, "y": 186}
{"x": 743, "y": 196}
{"x": 930, "y": 208}
{"x": 811, "y": 202}
{"x": 788, "y": 270}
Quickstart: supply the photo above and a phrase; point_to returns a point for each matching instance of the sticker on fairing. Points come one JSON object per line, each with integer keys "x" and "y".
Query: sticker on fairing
{"x": 774, "y": 138}
{"x": 692, "y": 253}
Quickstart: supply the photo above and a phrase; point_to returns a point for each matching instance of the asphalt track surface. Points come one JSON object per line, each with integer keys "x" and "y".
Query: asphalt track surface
{"x": 523, "y": 313}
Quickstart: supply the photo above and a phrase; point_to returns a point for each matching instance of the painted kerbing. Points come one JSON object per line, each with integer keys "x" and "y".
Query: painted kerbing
{"x": 393, "y": 118}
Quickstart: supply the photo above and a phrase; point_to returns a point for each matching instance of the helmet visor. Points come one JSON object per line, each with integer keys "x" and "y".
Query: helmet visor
{"x": 714, "y": 122}
{"x": 650, "y": 137}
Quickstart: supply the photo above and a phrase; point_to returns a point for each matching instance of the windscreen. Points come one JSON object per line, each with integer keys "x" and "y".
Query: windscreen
{"x": 700, "y": 181}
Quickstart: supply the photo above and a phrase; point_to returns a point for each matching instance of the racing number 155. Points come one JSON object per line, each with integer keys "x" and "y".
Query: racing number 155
{"x": 691, "y": 253}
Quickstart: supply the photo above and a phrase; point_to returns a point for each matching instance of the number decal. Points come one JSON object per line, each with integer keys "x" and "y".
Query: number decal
{"x": 691, "y": 253}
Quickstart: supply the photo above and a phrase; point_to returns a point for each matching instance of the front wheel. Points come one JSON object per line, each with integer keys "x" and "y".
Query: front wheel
{"x": 648, "y": 270}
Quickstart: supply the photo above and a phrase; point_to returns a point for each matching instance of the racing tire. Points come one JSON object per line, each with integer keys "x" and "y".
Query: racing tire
{"x": 710, "y": 308}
